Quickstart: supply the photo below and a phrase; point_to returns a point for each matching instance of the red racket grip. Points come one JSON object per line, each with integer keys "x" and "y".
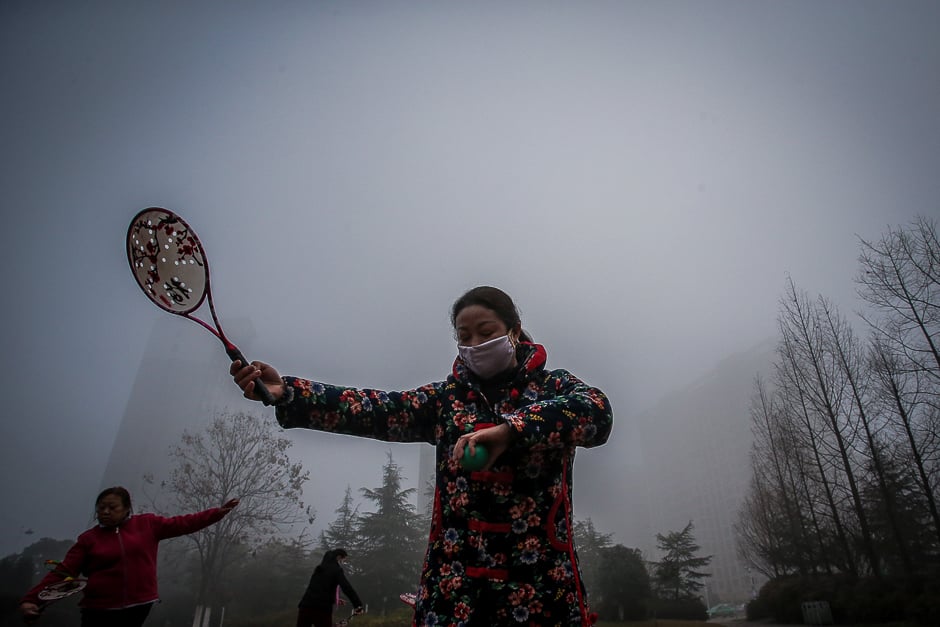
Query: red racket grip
{"x": 260, "y": 388}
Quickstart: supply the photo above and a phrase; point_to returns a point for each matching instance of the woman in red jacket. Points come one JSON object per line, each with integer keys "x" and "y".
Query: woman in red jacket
{"x": 119, "y": 559}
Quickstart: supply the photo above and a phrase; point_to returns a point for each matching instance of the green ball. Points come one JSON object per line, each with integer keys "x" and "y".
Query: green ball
{"x": 475, "y": 461}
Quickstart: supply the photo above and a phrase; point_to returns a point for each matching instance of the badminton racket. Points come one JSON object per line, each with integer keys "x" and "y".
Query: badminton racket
{"x": 61, "y": 590}
{"x": 169, "y": 264}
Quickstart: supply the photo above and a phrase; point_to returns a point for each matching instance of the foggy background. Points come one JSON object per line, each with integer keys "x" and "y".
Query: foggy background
{"x": 641, "y": 177}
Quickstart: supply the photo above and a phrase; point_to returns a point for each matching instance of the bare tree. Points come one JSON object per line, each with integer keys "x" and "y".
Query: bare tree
{"x": 846, "y": 347}
{"x": 900, "y": 277}
{"x": 811, "y": 428}
{"x": 761, "y": 541}
{"x": 909, "y": 419}
{"x": 237, "y": 456}
{"x": 818, "y": 372}
{"x": 846, "y": 448}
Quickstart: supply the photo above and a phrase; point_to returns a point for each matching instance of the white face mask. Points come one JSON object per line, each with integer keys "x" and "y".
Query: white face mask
{"x": 489, "y": 358}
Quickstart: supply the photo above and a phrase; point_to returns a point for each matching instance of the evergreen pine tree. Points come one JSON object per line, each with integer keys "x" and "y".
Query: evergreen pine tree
{"x": 343, "y": 532}
{"x": 391, "y": 546}
{"x": 677, "y": 575}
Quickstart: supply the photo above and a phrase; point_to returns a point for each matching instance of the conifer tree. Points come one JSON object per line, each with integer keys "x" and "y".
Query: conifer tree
{"x": 678, "y": 574}
{"x": 391, "y": 541}
{"x": 343, "y": 532}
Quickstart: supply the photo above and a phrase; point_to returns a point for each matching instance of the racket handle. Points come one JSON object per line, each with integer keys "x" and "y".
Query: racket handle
{"x": 260, "y": 388}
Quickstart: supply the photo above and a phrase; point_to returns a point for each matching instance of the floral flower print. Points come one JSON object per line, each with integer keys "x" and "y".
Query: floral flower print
{"x": 504, "y": 532}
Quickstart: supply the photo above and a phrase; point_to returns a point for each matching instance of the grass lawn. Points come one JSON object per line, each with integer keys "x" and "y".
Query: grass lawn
{"x": 662, "y": 622}
{"x": 402, "y": 618}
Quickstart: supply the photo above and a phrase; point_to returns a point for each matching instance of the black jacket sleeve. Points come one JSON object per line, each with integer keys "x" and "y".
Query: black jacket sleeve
{"x": 347, "y": 589}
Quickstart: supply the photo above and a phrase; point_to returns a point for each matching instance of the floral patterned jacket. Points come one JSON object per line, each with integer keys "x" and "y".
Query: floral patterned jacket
{"x": 500, "y": 550}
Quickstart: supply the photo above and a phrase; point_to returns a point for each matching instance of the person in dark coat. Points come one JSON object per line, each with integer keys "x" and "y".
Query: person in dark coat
{"x": 501, "y": 547}
{"x": 316, "y": 607}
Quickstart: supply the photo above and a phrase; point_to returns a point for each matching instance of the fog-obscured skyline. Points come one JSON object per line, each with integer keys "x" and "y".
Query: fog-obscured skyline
{"x": 641, "y": 177}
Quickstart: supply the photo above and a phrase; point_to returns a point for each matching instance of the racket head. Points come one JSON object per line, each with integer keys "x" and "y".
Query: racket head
{"x": 167, "y": 260}
{"x": 62, "y": 589}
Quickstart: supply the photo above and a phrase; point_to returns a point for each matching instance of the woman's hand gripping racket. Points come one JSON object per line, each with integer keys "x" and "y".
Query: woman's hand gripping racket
{"x": 170, "y": 265}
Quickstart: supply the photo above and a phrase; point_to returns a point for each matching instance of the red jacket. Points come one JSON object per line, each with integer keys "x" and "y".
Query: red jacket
{"x": 120, "y": 562}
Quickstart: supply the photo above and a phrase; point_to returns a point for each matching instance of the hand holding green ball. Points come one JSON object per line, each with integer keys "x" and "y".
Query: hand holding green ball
{"x": 474, "y": 461}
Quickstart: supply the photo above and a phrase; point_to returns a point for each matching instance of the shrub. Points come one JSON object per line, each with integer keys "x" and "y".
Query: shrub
{"x": 851, "y": 600}
{"x": 757, "y": 609}
{"x": 624, "y": 609}
{"x": 679, "y": 609}
{"x": 781, "y": 599}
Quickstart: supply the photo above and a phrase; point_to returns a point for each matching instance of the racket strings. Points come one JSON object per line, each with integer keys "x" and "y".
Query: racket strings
{"x": 62, "y": 589}
{"x": 170, "y": 266}
{"x": 168, "y": 260}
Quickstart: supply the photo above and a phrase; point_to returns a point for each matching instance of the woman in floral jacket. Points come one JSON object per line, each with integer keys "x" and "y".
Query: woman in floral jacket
{"x": 500, "y": 550}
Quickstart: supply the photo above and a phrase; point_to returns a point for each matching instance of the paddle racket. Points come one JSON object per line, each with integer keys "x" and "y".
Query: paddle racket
{"x": 62, "y": 589}
{"x": 343, "y": 622}
{"x": 58, "y": 590}
{"x": 170, "y": 265}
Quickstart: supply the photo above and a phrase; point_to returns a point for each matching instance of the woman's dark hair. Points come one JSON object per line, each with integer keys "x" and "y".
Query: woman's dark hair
{"x": 330, "y": 557}
{"x": 494, "y": 299}
{"x": 118, "y": 491}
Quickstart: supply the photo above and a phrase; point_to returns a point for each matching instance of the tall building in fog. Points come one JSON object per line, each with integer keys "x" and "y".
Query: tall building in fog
{"x": 693, "y": 464}
{"x": 181, "y": 384}
{"x": 701, "y": 469}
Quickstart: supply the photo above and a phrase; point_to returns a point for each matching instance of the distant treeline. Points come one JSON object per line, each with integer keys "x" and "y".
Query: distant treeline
{"x": 846, "y": 455}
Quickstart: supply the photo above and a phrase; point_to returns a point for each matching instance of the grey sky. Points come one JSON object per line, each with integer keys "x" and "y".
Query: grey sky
{"x": 640, "y": 176}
